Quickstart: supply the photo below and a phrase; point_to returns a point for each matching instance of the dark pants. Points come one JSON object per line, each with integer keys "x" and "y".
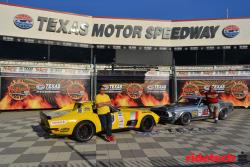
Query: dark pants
{"x": 106, "y": 122}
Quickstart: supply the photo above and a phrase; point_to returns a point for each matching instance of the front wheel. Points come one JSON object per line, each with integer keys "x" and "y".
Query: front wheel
{"x": 84, "y": 131}
{"x": 185, "y": 119}
{"x": 147, "y": 124}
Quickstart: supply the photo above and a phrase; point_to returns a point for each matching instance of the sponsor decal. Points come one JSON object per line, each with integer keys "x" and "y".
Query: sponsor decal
{"x": 190, "y": 89}
{"x": 194, "y": 113}
{"x": 41, "y": 70}
{"x": 156, "y": 88}
{"x": 23, "y": 21}
{"x": 18, "y": 90}
{"x": 40, "y": 86}
{"x": 87, "y": 109}
{"x": 217, "y": 88}
{"x": 75, "y": 91}
{"x": 200, "y": 111}
{"x": 113, "y": 88}
{"x": 9, "y": 69}
{"x": 53, "y": 86}
{"x": 121, "y": 120}
{"x": 48, "y": 88}
{"x": 59, "y": 122}
{"x": 64, "y": 130}
{"x": 231, "y": 31}
{"x": 205, "y": 112}
{"x": 134, "y": 91}
{"x": 239, "y": 90}
{"x": 182, "y": 73}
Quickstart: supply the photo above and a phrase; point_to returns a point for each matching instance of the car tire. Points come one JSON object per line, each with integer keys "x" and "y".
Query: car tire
{"x": 147, "y": 124}
{"x": 84, "y": 131}
{"x": 223, "y": 114}
{"x": 185, "y": 119}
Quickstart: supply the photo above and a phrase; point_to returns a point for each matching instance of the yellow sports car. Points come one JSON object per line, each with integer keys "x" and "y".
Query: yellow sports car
{"x": 81, "y": 120}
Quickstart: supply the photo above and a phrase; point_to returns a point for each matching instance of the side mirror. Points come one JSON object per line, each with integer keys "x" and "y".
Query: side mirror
{"x": 114, "y": 109}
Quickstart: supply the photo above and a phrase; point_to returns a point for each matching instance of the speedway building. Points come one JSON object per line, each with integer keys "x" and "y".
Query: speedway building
{"x": 50, "y": 59}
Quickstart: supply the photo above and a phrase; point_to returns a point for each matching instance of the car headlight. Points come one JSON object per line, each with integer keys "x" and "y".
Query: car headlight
{"x": 170, "y": 115}
{"x": 176, "y": 114}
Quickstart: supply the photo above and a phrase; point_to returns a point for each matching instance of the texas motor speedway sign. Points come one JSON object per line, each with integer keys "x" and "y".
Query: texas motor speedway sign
{"x": 50, "y": 27}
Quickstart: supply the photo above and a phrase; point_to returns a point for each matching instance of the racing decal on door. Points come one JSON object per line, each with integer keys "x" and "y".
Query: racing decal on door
{"x": 200, "y": 112}
{"x": 194, "y": 113}
{"x": 120, "y": 120}
{"x": 205, "y": 112}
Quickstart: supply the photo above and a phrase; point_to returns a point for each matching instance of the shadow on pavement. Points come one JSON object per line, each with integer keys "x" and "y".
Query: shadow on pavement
{"x": 41, "y": 133}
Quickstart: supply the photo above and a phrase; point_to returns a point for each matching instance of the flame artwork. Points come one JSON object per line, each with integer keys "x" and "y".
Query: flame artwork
{"x": 30, "y": 102}
{"x": 234, "y": 91}
{"x": 147, "y": 93}
{"x": 150, "y": 100}
{"x": 123, "y": 100}
{"x": 33, "y": 93}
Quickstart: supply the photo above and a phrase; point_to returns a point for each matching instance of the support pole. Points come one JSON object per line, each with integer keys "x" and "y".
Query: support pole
{"x": 224, "y": 57}
{"x": 48, "y": 53}
{"x": 91, "y": 74}
{"x": 174, "y": 81}
{"x": 95, "y": 77}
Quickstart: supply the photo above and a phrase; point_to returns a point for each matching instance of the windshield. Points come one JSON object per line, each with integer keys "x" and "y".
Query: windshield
{"x": 78, "y": 107}
{"x": 188, "y": 101}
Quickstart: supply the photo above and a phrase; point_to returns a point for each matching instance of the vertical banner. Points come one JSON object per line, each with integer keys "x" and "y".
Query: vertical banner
{"x": 42, "y": 93}
{"x": 234, "y": 91}
{"x": 135, "y": 89}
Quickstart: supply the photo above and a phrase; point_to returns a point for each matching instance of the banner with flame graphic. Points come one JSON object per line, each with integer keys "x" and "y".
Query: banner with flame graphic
{"x": 234, "y": 91}
{"x": 40, "y": 93}
{"x": 136, "y": 93}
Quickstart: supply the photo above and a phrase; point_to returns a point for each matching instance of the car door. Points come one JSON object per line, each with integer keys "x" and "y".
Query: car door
{"x": 195, "y": 110}
{"x": 203, "y": 110}
{"x": 118, "y": 120}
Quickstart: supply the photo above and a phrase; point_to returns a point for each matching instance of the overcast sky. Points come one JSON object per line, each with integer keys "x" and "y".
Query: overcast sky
{"x": 149, "y": 9}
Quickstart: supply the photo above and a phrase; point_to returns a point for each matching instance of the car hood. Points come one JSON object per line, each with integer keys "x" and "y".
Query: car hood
{"x": 53, "y": 114}
{"x": 127, "y": 109}
{"x": 174, "y": 108}
{"x": 180, "y": 108}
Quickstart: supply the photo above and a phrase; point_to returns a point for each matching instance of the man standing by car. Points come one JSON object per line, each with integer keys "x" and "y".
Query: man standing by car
{"x": 213, "y": 102}
{"x": 103, "y": 103}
